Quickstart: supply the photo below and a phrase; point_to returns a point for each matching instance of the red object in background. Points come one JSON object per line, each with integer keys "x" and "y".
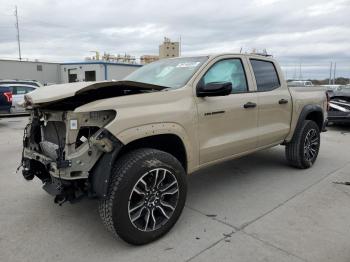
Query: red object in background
{"x": 8, "y": 96}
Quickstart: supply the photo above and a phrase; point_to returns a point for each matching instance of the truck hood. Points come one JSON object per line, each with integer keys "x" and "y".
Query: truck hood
{"x": 84, "y": 92}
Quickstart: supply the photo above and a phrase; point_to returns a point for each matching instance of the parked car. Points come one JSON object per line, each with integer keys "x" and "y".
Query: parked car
{"x": 131, "y": 143}
{"x": 5, "y": 100}
{"x": 17, "y": 81}
{"x": 339, "y": 105}
{"x": 297, "y": 83}
{"x": 18, "y": 92}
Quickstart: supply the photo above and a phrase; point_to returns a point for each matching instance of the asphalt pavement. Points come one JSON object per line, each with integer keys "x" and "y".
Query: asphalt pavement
{"x": 255, "y": 208}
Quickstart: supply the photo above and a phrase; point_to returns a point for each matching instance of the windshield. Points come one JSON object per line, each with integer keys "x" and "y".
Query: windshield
{"x": 172, "y": 73}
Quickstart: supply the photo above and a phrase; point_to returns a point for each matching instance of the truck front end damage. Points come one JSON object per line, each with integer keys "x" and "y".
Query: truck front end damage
{"x": 339, "y": 107}
{"x": 62, "y": 148}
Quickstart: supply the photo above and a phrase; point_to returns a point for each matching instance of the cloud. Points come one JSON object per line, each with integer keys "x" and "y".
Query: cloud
{"x": 313, "y": 32}
{"x": 141, "y": 31}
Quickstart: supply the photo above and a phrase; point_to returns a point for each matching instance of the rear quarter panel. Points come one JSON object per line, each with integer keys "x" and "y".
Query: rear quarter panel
{"x": 303, "y": 96}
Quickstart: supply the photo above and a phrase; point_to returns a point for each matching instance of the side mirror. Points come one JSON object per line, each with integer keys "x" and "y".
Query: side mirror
{"x": 214, "y": 89}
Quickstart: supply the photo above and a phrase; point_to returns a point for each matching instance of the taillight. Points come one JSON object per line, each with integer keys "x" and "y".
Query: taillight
{"x": 8, "y": 96}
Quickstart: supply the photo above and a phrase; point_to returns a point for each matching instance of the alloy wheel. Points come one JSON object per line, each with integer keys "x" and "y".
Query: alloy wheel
{"x": 153, "y": 199}
{"x": 311, "y": 145}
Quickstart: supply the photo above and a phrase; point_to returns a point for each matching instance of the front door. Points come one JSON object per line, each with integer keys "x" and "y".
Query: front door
{"x": 227, "y": 124}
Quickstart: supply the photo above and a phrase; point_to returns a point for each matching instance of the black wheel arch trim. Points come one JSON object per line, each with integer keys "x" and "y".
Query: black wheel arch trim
{"x": 308, "y": 109}
{"x": 101, "y": 172}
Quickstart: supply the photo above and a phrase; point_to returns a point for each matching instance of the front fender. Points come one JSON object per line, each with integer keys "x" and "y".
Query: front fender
{"x": 132, "y": 134}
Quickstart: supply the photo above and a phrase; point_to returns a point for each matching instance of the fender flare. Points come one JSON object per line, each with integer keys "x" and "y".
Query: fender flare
{"x": 101, "y": 172}
{"x": 307, "y": 110}
{"x": 134, "y": 133}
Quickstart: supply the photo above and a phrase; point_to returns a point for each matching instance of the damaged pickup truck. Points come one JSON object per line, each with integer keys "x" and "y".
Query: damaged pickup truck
{"x": 339, "y": 105}
{"x": 131, "y": 143}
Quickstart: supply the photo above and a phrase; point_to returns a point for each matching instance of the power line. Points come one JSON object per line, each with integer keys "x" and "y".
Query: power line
{"x": 18, "y": 39}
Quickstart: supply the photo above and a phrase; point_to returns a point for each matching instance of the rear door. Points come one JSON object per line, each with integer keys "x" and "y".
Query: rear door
{"x": 226, "y": 127}
{"x": 274, "y": 102}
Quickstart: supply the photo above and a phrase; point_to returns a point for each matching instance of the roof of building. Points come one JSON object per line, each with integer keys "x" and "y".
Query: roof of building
{"x": 100, "y": 63}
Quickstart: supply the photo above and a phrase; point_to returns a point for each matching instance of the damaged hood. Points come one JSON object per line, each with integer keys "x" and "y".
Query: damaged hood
{"x": 58, "y": 92}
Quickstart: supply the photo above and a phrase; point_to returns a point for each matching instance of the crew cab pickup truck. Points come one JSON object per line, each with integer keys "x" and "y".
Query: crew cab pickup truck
{"x": 131, "y": 143}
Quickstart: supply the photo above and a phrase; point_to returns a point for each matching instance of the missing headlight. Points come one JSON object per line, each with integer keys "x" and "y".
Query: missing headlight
{"x": 84, "y": 134}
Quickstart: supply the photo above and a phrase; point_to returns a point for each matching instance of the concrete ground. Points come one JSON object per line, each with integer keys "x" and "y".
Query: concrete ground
{"x": 256, "y": 208}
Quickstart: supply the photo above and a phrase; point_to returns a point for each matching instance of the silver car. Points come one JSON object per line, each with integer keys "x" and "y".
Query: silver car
{"x": 18, "y": 92}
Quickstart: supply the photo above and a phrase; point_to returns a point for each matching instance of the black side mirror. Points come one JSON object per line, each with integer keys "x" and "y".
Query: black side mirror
{"x": 214, "y": 89}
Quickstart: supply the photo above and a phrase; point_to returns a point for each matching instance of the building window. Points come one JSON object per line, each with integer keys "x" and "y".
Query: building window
{"x": 39, "y": 68}
{"x": 90, "y": 75}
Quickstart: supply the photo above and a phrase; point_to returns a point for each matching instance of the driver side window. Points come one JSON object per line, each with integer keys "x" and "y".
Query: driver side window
{"x": 228, "y": 70}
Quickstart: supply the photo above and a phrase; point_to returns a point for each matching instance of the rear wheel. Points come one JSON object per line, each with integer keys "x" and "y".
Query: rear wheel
{"x": 146, "y": 196}
{"x": 303, "y": 150}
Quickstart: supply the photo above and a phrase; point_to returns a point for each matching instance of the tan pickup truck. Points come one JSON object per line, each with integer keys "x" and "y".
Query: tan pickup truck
{"x": 131, "y": 143}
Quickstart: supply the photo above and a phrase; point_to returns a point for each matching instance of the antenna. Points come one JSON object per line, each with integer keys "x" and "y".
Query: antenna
{"x": 18, "y": 39}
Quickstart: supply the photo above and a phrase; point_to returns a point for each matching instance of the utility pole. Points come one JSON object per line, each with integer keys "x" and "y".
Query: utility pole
{"x": 180, "y": 46}
{"x": 18, "y": 39}
{"x": 335, "y": 68}
{"x": 295, "y": 73}
{"x": 330, "y": 74}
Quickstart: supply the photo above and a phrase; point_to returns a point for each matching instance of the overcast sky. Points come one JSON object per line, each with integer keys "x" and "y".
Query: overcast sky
{"x": 310, "y": 32}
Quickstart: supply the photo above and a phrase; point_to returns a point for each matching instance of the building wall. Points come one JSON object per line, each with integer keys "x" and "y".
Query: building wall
{"x": 12, "y": 69}
{"x": 114, "y": 71}
{"x": 118, "y": 72}
{"x": 54, "y": 73}
{"x": 169, "y": 49}
{"x": 80, "y": 69}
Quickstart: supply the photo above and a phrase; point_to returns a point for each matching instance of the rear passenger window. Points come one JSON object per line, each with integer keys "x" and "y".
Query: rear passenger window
{"x": 265, "y": 75}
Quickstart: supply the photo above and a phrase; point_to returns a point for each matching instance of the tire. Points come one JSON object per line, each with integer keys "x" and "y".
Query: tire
{"x": 303, "y": 150}
{"x": 157, "y": 170}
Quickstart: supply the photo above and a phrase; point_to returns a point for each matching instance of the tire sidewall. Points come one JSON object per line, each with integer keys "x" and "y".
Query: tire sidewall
{"x": 307, "y": 127}
{"x": 124, "y": 227}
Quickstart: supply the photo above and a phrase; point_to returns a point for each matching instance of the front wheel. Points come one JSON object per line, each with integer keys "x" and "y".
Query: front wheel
{"x": 303, "y": 150}
{"x": 146, "y": 196}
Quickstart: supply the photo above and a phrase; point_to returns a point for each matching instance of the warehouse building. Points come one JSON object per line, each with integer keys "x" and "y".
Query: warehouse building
{"x": 43, "y": 72}
{"x": 95, "y": 71}
{"x": 57, "y": 73}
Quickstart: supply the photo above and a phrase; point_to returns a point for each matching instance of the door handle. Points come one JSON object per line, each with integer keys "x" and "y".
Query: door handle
{"x": 249, "y": 105}
{"x": 283, "y": 101}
